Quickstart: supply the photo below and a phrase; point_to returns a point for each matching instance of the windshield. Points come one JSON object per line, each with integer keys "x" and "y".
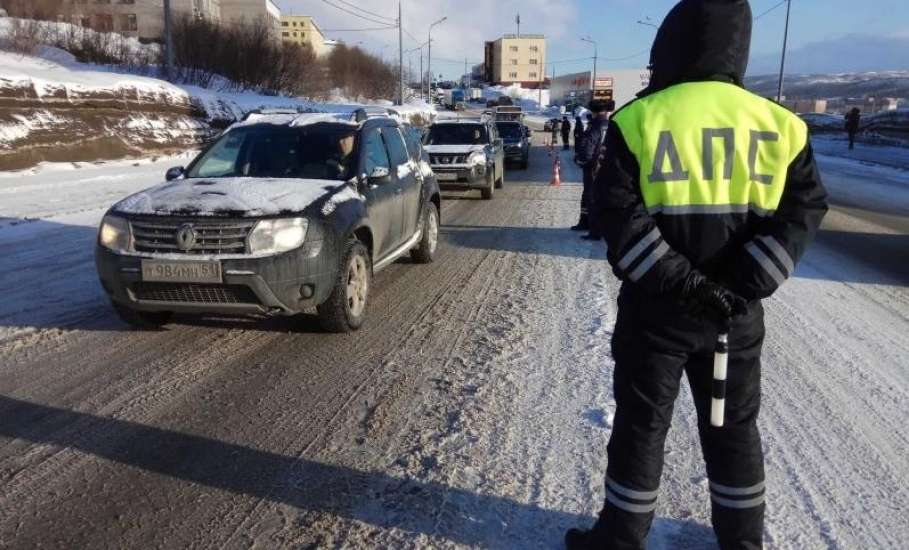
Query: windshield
{"x": 510, "y": 131}
{"x": 457, "y": 134}
{"x": 320, "y": 151}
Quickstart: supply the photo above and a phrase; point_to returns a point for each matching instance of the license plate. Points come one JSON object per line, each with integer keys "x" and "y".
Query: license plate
{"x": 442, "y": 176}
{"x": 181, "y": 272}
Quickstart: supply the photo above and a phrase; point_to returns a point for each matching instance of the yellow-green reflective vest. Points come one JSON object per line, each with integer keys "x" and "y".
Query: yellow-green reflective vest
{"x": 711, "y": 147}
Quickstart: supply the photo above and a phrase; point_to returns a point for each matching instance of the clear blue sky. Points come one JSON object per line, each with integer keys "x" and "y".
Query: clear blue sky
{"x": 611, "y": 22}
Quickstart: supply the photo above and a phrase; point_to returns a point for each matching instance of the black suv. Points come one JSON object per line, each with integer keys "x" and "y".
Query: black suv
{"x": 282, "y": 213}
{"x": 516, "y": 138}
{"x": 467, "y": 154}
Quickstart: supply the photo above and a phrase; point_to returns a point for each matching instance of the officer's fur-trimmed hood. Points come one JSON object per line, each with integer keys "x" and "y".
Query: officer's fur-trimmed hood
{"x": 701, "y": 40}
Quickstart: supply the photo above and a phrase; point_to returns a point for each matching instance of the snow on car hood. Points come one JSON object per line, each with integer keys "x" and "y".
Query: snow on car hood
{"x": 237, "y": 196}
{"x": 453, "y": 149}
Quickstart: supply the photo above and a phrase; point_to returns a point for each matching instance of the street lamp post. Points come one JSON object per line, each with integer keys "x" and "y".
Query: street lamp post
{"x": 779, "y": 91}
{"x": 429, "y": 57}
{"x": 593, "y": 77}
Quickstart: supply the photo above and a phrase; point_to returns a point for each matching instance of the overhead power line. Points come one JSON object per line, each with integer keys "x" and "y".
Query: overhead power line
{"x": 356, "y": 14}
{"x": 367, "y": 12}
{"x": 770, "y": 10}
{"x": 360, "y": 30}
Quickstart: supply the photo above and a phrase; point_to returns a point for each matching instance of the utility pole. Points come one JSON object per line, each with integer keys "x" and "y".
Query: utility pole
{"x": 466, "y": 74}
{"x": 422, "y": 75}
{"x": 429, "y": 57}
{"x": 779, "y": 91}
{"x": 518, "y": 21}
{"x": 168, "y": 43}
{"x": 400, "y": 57}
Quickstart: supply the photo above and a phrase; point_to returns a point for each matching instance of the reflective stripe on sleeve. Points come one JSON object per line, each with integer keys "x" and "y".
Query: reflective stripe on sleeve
{"x": 639, "y": 248}
{"x": 766, "y": 263}
{"x": 777, "y": 249}
{"x": 649, "y": 262}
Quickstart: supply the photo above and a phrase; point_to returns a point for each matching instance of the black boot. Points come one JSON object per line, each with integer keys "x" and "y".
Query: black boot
{"x": 592, "y": 237}
{"x": 582, "y": 225}
{"x": 578, "y": 539}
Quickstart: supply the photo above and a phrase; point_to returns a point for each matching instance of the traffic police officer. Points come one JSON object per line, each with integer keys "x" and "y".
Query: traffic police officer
{"x": 708, "y": 197}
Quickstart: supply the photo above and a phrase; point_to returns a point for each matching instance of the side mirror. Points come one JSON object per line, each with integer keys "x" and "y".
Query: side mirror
{"x": 379, "y": 174}
{"x": 176, "y": 172}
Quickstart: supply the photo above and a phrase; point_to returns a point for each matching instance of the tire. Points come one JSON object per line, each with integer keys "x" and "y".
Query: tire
{"x": 141, "y": 319}
{"x": 525, "y": 163}
{"x": 429, "y": 240}
{"x": 345, "y": 308}
{"x": 488, "y": 191}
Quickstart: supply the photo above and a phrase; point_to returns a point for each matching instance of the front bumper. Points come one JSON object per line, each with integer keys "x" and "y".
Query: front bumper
{"x": 516, "y": 153}
{"x": 460, "y": 176}
{"x": 271, "y": 285}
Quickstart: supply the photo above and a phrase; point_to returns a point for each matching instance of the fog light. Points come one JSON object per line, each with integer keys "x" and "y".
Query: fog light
{"x": 307, "y": 291}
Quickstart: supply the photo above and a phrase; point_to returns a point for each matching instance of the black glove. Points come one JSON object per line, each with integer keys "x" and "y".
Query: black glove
{"x": 711, "y": 300}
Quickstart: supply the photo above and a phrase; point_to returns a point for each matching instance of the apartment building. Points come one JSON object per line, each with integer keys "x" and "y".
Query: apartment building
{"x": 142, "y": 19}
{"x": 516, "y": 59}
{"x": 236, "y": 12}
{"x": 302, "y": 30}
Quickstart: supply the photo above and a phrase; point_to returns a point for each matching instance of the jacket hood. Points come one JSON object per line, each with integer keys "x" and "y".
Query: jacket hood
{"x": 237, "y": 196}
{"x": 701, "y": 40}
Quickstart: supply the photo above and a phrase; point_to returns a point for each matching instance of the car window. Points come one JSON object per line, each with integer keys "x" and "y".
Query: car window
{"x": 320, "y": 151}
{"x": 396, "y": 147}
{"x": 457, "y": 134}
{"x": 376, "y": 154}
{"x": 510, "y": 130}
{"x": 413, "y": 137}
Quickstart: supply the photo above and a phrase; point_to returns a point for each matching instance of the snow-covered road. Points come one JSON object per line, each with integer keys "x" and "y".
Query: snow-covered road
{"x": 472, "y": 411}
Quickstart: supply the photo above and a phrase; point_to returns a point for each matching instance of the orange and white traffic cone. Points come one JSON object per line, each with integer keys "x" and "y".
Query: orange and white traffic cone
{"x": 556, "y": 178}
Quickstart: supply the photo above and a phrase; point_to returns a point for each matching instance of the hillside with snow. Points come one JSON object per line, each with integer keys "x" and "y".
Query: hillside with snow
{"x": 846, "y": 85}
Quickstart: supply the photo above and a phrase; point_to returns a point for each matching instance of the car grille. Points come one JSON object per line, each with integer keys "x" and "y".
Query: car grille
{"x": 210, "y": 236}
{"x": 194, "y": 293}
{"x": 448, "y": 159}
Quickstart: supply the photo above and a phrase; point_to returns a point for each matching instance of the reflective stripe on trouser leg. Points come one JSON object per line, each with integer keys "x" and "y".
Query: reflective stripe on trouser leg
{"x": 737, "y": 497}
{"x": 630, "y": 500}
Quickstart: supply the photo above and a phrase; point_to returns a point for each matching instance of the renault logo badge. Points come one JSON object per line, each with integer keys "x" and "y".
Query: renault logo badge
{"x": 186, "y": 237}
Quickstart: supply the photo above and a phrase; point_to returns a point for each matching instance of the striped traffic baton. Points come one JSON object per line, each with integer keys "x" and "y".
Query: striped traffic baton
{"x": 720, "y": 363}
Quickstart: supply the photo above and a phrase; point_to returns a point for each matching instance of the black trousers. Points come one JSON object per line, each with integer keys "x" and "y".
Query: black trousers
{"x": 852, "y": 140}
{"x": 654, "y": 342}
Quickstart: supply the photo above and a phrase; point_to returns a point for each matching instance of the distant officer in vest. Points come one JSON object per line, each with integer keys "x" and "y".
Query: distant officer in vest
{"x": 588, "y": 156}
{"x": 708, "y": 196}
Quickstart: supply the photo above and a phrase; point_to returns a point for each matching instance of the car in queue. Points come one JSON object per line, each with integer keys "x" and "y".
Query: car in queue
{"x": 281, "y": 214}
{"x": 516, "y": 138}
{"x": 467, "y": 154}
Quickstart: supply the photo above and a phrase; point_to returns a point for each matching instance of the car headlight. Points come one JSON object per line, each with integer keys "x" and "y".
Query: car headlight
{"x": 476, "y": 157}
{"x": 114, "y": 234}
{"x": 279, "y": 235}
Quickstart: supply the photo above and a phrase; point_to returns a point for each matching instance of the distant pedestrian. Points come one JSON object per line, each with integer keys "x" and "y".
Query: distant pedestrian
{"x": 589, "y": 155}
{"x": 566, "y": 132}
{"x": 554, "y": 128}
{"x": 853, "y": 118}
{"x": 578, "y": 134}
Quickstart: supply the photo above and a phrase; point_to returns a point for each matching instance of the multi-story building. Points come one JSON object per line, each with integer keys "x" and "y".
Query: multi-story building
{"x": 516, "y": 59}
{"x": 237, "y": 12}
{"x": 142, "y": 19}
{"x": 302, "y": 30}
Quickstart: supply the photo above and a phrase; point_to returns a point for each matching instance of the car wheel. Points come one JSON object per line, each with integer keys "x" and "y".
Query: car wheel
{"x": 525, "y": 163}
{"x": 426, "y": 250}
{"x": 487, "y": 191}
{"x": 345, "y": 308}
{"x": 141, "y": 319}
